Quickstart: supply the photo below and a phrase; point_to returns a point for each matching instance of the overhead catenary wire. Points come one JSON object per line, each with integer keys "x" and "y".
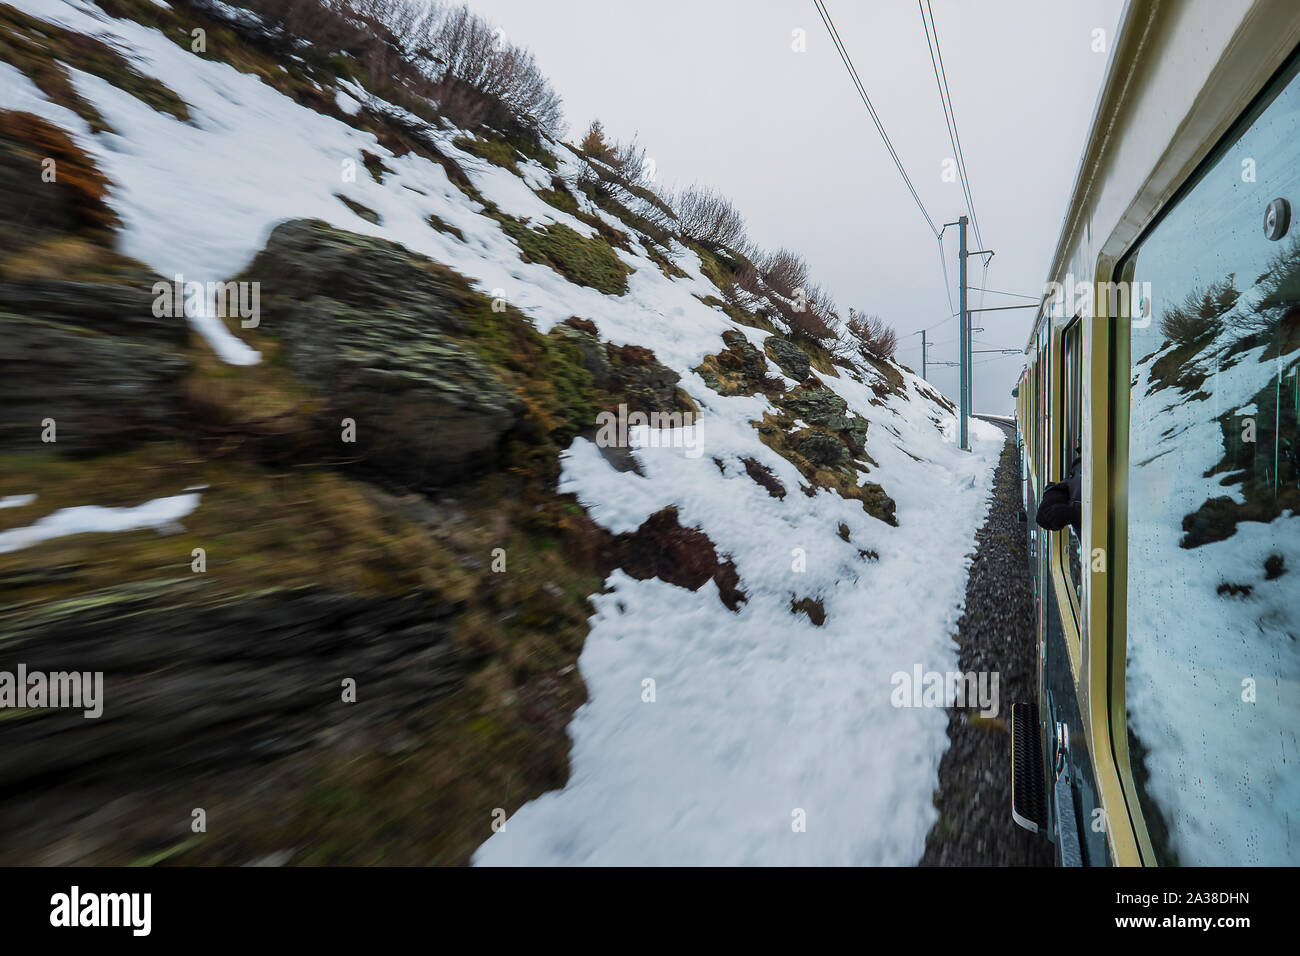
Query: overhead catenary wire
{"x": 1018, "y": 295}
{"x": 875, "y": 118}
{"x": 954, "y": 136}
{"x": 941, "y": 79}
{"x": 997, "y": 358}
{"x": 947, "y": 284}
{"x": 949, "y": 114}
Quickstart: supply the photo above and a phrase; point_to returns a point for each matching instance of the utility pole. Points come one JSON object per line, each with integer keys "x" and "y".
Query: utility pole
{"x": 924, "y": 350}
{"x": 964, "y": 387}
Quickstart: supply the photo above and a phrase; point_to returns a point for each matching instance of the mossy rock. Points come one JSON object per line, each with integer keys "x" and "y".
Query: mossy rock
{"x": 590, "y": 262}
{"x": 738, "y": 369}
{"x": 821, "y": 448}
{"x": 381, "y": 334}
{"x": 825, "y": 459}
{"x": 789, "y": 357}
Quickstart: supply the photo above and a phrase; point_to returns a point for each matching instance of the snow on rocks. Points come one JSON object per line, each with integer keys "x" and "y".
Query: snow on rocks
{"x": 758, "y": 718}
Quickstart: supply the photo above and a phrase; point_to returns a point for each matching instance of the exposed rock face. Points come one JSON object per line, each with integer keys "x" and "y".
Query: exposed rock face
{"x": 818, "y": 405}
{"x": 815, "y": 404}
{"x": 92, "y": 357}
{"x": 791, "y": 359}
{"x": 188, "y": 687}
{"x": 662, "y": 548}
{"x": 644, "y": 382}
{"x": 822, "y": 449}
{"x": 628, "y": 373}
{"x": 377, "y": 330}
{"x": 117, "y": 308}
{"x": 595, "y": 359}
{"x": 739, "y": 369}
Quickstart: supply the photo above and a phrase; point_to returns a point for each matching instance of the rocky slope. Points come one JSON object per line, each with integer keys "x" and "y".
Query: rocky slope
{"x": 400, "y": 484}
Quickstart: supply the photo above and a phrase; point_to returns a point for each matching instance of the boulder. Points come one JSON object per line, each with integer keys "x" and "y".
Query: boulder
{"x": 739, "y": 369}
{"x": 789, "y": 357}
{"x": 104, "y": 392}
{"x": 382, "y": 334}
{"x": 816, "y": 405}
{"x": 822, "y": 448}
{"x": 642, "y": 381}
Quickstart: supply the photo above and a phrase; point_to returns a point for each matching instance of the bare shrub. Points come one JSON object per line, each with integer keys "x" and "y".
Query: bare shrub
{"x": 809, "y": 325}
{"x": 628, "y": 161}
{"x": 810, "y": 315}
{"x": 620, "y": 171}
{"x": 871, "y": 335}
{"x": 329, "y": 24}
{"x": 747, "y": 278}
{"x": 1199, "y": 312}
{"x": 470, "y": 59}
{"x": 1280, "y": 292}
{"x": 419, "y": 49}
{"x": 707, "y": 216}
{"x": 785, "y": 272}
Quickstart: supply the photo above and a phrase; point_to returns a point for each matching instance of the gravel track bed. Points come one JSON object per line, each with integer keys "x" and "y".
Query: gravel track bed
{"x": 995, "y": 634}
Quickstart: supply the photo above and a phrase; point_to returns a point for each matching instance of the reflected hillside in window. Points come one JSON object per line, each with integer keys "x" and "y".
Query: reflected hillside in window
{"x": 1216, "y": 328}
{"x": 1212, "y": 629}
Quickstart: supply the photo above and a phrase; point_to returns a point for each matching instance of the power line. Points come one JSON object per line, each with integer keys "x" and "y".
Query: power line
{"x": 875, "y": 118}
{"x": 949, "y": 113}
{"x": 943, "y": 263}
{"x": 1018, "y": 295}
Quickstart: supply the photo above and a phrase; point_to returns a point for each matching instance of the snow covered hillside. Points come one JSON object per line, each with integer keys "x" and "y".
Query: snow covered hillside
{"x": 1219, "y": 513}
{"x": 833, "y": 486}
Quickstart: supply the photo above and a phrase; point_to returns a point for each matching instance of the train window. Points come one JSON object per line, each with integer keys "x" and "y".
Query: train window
{"x": 1044, "y": 389}
{"x": 1213, "y": 582}
{"x": 1071, "y": 433}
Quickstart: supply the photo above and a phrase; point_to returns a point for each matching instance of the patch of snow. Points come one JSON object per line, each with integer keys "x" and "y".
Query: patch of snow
{"x": 86, "y": 519}
{"x": 758, "y": 713}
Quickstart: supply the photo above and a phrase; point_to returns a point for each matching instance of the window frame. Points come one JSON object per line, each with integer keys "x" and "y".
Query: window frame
{"x": 1122, "y": 268}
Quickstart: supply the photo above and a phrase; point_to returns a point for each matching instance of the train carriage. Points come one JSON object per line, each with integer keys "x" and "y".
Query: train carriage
{"x": 1166, "y": 354}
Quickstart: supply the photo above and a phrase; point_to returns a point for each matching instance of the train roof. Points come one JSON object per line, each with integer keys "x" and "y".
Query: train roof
{"x": 1179, "y": 75}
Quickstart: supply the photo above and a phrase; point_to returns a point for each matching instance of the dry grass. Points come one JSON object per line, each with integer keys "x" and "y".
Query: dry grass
{"x": 40, "y": 50}
{"x": 74, "y": 171}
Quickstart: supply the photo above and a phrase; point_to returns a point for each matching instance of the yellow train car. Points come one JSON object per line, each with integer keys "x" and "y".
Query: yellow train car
{"x": 1165, "y": 360}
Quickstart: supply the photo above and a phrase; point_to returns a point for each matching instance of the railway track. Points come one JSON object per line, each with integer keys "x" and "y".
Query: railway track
{"x": 996, "y": 634}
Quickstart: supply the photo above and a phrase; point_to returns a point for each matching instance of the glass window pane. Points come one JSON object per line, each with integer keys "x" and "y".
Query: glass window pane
{"x": 1213, "y": 668}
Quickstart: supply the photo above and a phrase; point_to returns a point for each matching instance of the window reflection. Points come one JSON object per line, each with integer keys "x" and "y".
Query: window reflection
{"x": 1213, "y": 679}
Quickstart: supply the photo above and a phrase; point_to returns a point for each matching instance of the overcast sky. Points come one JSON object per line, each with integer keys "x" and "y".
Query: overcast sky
{"x": 718, "y": 94}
